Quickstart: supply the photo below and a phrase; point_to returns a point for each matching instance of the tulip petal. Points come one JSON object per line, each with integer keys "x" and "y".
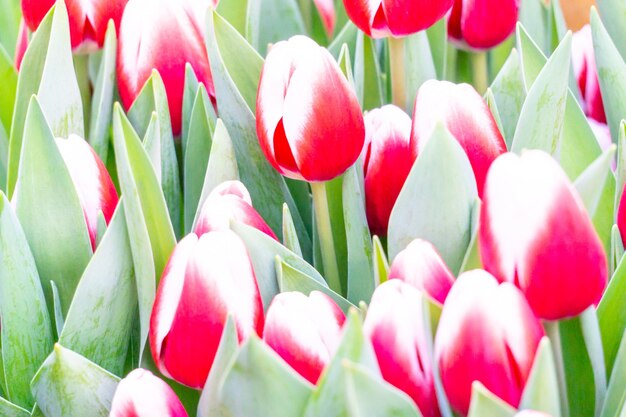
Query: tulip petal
{"x": 486, "y": 23}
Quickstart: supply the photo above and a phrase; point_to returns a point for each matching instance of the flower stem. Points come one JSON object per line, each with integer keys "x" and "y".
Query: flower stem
{"x": 398, "y": 72}
{"x": 480, "y": 71}
{"x": 325, "y": 233}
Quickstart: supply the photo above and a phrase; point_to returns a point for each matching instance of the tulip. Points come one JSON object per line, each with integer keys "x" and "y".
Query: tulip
{"x": 584, "y": 63}
{"x": 141, "y": 394}
{"x": 395, "y": 324}
{"x": 421, "y": 266}
{"x": 535, "y": 233}
{"x": 465, "y": 114}
{"x": 382, "y": 18}
{"x": 309, "y": 122}
{"x": 92, "y": 181}
{"x": 304, "y": 331}
{"x": 162, "y": 35}
{"x": 21, "y": 45}
{"x": 229, "y": 201}
{"x": 487, "y": 333}
{"x": 621, "y": 216}
{"x": 206, "y": 280}
{"x": 387, "y": 160}
{"x": 482, "y": 24}
{"x": 88, "y": 18}
{"x": 326, "y": 10}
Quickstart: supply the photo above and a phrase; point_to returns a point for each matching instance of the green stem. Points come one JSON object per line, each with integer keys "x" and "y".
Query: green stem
{"x": 398, "y": 71}
{"x": 552, "y": 331}
{"x": 325, "y": 233}
{"x": 480, "y": 71}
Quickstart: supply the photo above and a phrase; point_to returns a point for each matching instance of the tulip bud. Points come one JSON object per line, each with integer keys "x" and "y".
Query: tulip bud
{"x": 465, "y": 114}
{"x": 21, "y": 44}
{"x": 92, "y": 181}
{"x": 584, "y": 63}
{"x": 487, "y": 333}
{"x": 88, "y": 19}
{"x": 387, "y": 160}
{"x": 421, "y": 266}
{"x": 304, "y": 331}
{"x": 535, "y": 233}
{"x": 395, "y": 326}
{"x": 621, "y": 216}
{"x": 163, "y": 35}
{"x": 229, "y": 201}
{"x": 141, "y": 394}
{"x": 206, "y": 280}
{"x": 326, "y": 9}
{"x": 309, "y": 122}
{"x": 482, "y": 24}
{"x": 381, "y": 18}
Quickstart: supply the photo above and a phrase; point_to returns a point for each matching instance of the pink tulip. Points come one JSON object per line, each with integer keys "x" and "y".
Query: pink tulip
{"x": 304, "y": 331}
{"x": 21, "y": 45}
{"x": 141, "y": 394}
{"x": 482, "y": 24}
{"x": 584, "y": 62}
{"x": 326, "y": 9}
{"x": 309, "y": 122}
{"x": 395, "y": 326}
{"x": 206, "y": 280}
{"x": 387, "y": 160}
{"x": 421, "y": 266}
{"x": 465, "y": 114}
{"x": 487, "y": 333}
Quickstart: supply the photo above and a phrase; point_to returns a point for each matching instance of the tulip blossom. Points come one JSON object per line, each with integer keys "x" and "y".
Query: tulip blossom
{"x": 387, "y": 160}
{"x": 206, "y": 280}
{"x": 482, "y": 24}
{"x": 308, "y": 118}
{"x": 487, "y": 333}
{"x": 88, "y": 18}
{"x": 230, "y": 201}
{"x": 304, "y": 331}
{"x": 395, "y": 324}
{"x": 162, "y": 35}
{"x": 92, "y": 181}
{"x": 421, "y": 266}
{"x": 466, "y": 115}
{"x": 21, "y": 45}
{"x": 584, "y": 63}
{"x": 326, "y": 10}
{"x": 535, "y": 233}
{"x": 382, "y": 18}
{"x": 141, "y": 394}
{"x": 621, "y": 216}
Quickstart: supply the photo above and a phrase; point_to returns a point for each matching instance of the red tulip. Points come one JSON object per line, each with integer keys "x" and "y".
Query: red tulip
{"x": 536, "y": 234}
{"x": 487, "y": 333}
{"x": 88, "y": 18}
{"x": 309, "y": 123}
{"x": 421, "y": 266}
{"x": 584, "y": 63}
{"x": 395, "y": 325}
{"x": 465, "y": 115}
{"x": 326, "y": 9}
{"x": 163, "y": 35}
{"x": 21, "y": 45}
{"x": 381, "y": 18}
{"x": 304, "y": 331}
{"x": 141, "y": 394}
{"x": 482, "y": 24}
{"x": 230, "y": 201}
{"x": 387, "y": 160}
{"x": 205, "y": 280}
{"x": 621, "y": 216}
{"x": 94, "y": 187}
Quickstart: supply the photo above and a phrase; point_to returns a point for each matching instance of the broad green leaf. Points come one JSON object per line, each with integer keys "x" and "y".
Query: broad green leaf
{"x": 535, "y": 17}
{"x": 615, "y": 394}
{"x": 436, "y": 201}
{"x": 26, "y": 328}
{"x": 8, "y": 409}
{"x": 4, "y": 157}
{"x": 271, "y": 21}
{"x": 419, "y": 66}
{"x": 235, "y": 12}
{"x": 541, "y": 392}
{"x": 612, "y": 315}
{"x": 8, "y": 88}
{"x": 367, "y": 77}
{"x": 67, "y": 384}
{"x": 290, "y": 236}
{"x": 9, "y": 24}
{"x": 508, "y": 91}
{"x": 381, "y": 265}
{"x": 347, "y": 35}
{"x": 493, "y": 108}
{"x": 438, "y": 40}
{"x": 152, "y": 144}
{"x": 613, "y": 14}
{"x": 472, "y": 260}
{"x": 486, "y": 404}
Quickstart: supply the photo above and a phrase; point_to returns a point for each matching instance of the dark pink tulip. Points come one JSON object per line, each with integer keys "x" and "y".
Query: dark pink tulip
{"x": 421, "y": 266}
{"x": 487, "y": 333}
{"x": 21, "y": 45}
{"x": 395, "y": 326}
{"x": 482, "y": 24}
{"x": 162, "y": 35}
{"x": 94, "y": 187}
{"x": 381, "y": 18}
{"x": 535, "y": 233}
{"x": 466, "y": 115}
{"x": 387, "y": 160}
{"x": 205, "y": 280}
{"x": 309, "y": 122}
{"x": 141, "y": 394}
{"x": 304, "y": 331}
{"x": 230, "y": 201}
{"x": 621, "y": 216}
{"x": 584, "y": 62}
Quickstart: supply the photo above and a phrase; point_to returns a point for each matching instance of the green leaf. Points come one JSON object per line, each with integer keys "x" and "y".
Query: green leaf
{"x": 26, "y": 329}
{"x": 617, "y": 249}
{"x": 8, "y": 409}
{"x": 541, "y": 392}
{"x": 535, "y": 16}
{"x": 152, "y": 144}
{"x": 367, "y": 77}
{"x": 235, "y": 12}
{"x": 508, "y": 91}
{"x": 67, "y": 384}
{"x": 620, "y": 171}
{"x": 271, "y": 21}
{"x": 613, "y": 14}
{"x": 290, "y": 236}
{"x": 612, "y": 315}
{"x": 438, "y": 40}
{"x": 347, "y": 35}
{"x": 4, "y": 157}
{"x": 381, "y": 265}
{"x": 486, "y": 404}
{"x": 419, "y": 66}
{"x": 189, "y": 98}
{"x": 436, "y": 201}
{"x": 99, "y": 321}
{"x": 9, "y": 24}
{"x": 472, "y": 260}
{"x": 615, "y": 394}
{"x": 8, "y": 88}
